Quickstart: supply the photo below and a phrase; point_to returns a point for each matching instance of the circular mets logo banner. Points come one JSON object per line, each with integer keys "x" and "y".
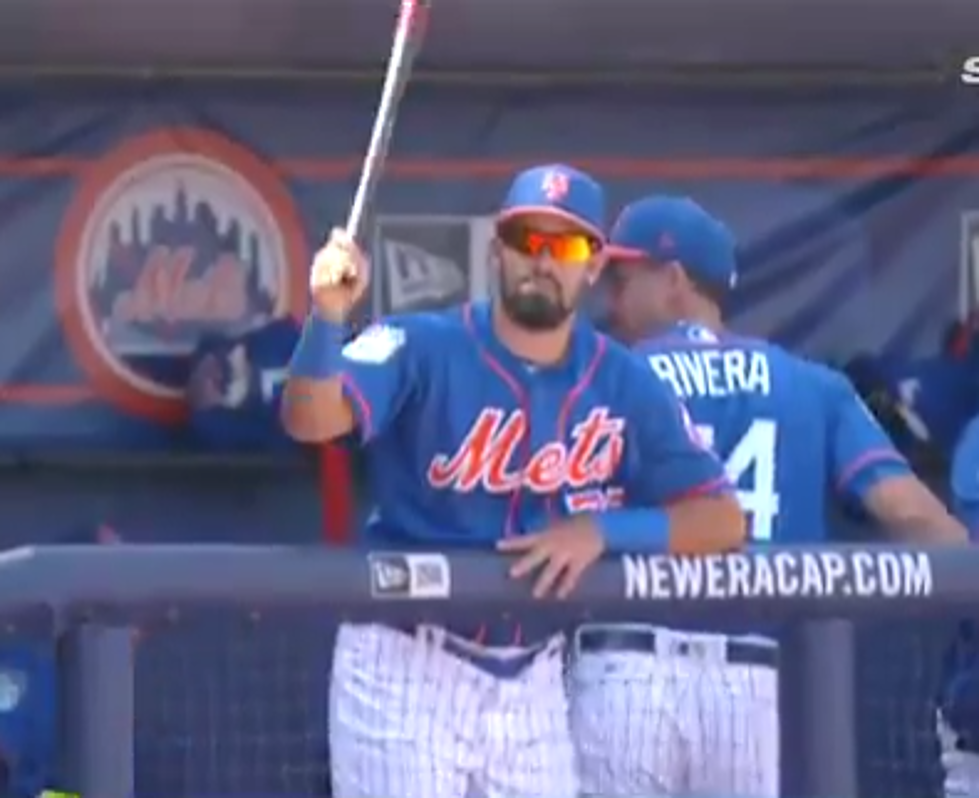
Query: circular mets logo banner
{"x": 174, "y": 234}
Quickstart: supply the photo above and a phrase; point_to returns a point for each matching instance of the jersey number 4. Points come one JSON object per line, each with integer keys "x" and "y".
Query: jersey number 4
{"x": 752, "y": 461}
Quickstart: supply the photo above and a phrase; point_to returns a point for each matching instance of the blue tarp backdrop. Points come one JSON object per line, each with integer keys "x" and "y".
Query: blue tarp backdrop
{"x": 136, "y": 217}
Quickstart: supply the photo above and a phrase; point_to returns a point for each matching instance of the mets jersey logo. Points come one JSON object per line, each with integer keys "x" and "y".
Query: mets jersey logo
{"x": 490, "y": 456}
{"x": 698, "y": 333}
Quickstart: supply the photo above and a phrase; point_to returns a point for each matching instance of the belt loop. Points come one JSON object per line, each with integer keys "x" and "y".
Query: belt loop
{"x": 580, "y": 632}
{"x": 429, "y": 635}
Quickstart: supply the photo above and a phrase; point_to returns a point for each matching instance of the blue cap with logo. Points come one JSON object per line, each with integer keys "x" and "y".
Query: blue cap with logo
{"x": 561, "y": 190}
{"x": 666, "y": 229}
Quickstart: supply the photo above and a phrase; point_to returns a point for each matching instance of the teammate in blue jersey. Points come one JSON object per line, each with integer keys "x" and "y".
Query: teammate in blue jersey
{"x": 957, "y": 713}
{"x": 511, "y": 425}
{"x": 789, "y": 431}
{"x": 957, "y": 703}
{"x": 933, "y": 396}
{"x": 965, "y": 478}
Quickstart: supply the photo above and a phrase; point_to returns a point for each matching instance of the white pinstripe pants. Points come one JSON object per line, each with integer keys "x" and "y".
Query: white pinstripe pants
{"x": 960, "y": 768}
{"x": 660, "y": 725}
{"x": 409, "y": 720}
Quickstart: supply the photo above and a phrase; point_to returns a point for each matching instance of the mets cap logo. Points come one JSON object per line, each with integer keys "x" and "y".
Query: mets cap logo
{"x": 175, "y": 234}
{"x": 556, "y": 186}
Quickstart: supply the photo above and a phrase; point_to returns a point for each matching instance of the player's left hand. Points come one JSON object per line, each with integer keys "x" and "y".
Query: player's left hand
{"x": 561, "y": 553}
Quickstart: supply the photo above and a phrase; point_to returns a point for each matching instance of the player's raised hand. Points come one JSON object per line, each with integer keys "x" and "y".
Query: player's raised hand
{"x": 561, "y": 554}
{"x": 339, "y": 276}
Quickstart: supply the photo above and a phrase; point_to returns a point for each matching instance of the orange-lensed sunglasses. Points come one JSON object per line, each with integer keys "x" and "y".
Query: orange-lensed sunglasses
{"x": 567, "y": 248}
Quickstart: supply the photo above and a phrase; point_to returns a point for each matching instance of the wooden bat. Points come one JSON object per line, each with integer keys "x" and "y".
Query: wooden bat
{"x": 336, "y": 479}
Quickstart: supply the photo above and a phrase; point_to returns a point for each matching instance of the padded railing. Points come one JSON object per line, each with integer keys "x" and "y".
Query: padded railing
{"x": 94, "y": 595}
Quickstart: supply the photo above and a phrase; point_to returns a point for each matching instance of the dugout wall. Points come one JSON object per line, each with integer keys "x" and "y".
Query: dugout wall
{"x": 843, "y": 200}
{"x": 812, "y": 151}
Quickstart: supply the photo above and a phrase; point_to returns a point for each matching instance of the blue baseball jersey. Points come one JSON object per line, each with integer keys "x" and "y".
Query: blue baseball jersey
{"x": 466, "y": 443}
{"x": 788, "y": 429}
{"x": 28, "y": 717}
{"x": 958, "y": 696}
{"x": 937, "y": 394}
{"x": 965, "y": 479}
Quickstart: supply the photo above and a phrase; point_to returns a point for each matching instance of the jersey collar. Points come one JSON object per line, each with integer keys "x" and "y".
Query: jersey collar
{"x": 584, "y": 342}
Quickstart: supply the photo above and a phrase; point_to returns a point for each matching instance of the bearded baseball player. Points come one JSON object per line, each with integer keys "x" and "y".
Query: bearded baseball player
{"x": 513, "y": 426}
{"x": 659, "y": 711}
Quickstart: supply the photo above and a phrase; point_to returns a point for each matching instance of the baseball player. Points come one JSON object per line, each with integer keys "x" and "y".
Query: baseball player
{"x": 934, "y": 397}
{"x": 659, "y": 711}
{"x": 510, "y": 425}
{"x": 965, "y": 478}
{"x": 957, "y": 713}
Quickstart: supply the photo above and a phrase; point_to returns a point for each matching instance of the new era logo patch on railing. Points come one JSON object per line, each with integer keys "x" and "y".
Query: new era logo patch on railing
{"x": 416, "y": 576}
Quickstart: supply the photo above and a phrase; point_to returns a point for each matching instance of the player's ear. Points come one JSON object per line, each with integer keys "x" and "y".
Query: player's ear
{"x": 677, "y": 275}
{"x": 596, "y": 266}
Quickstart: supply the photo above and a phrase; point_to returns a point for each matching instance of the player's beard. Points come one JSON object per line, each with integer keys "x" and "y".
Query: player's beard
{"x": 534, "y": 310}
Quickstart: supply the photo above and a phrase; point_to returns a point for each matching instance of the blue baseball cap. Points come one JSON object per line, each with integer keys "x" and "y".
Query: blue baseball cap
{"x": 666, "y": 229}
{"x": 560, "y": 190}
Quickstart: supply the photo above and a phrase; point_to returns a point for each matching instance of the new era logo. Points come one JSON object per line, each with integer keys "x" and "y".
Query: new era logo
{"x": 390, "y": 575}
{"x": 417, "y": 278}
{"x": 409, "y": 576}
{"x": 422, "y": 263}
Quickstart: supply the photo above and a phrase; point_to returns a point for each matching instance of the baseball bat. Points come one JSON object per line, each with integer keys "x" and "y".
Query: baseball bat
{"x": 335, "y": 469}
{"x": 408, "y": 35}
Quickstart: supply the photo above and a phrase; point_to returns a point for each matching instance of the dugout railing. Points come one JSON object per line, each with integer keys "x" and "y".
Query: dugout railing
{"x": 94, "y": 596}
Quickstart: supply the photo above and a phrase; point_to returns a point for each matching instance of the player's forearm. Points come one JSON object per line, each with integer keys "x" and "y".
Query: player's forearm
{"x": 912, "y": 513}
{"x": 707, "y": 525}
{"x": 314, "y": 409}
{"x": 701, "y": 525}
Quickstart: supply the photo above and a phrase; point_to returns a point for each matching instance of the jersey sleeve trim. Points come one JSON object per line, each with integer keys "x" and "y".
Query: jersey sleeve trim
{"x": 865, "y": 460}
{"x": 359, "y": 404}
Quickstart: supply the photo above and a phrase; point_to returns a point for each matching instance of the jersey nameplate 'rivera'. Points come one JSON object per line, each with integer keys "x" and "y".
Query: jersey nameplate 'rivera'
{"x": 785, "y": 427}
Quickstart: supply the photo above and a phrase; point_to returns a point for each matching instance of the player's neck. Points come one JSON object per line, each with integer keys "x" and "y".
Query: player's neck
{"x": 703, "y": 315}
{"x": 542, "y": 347}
